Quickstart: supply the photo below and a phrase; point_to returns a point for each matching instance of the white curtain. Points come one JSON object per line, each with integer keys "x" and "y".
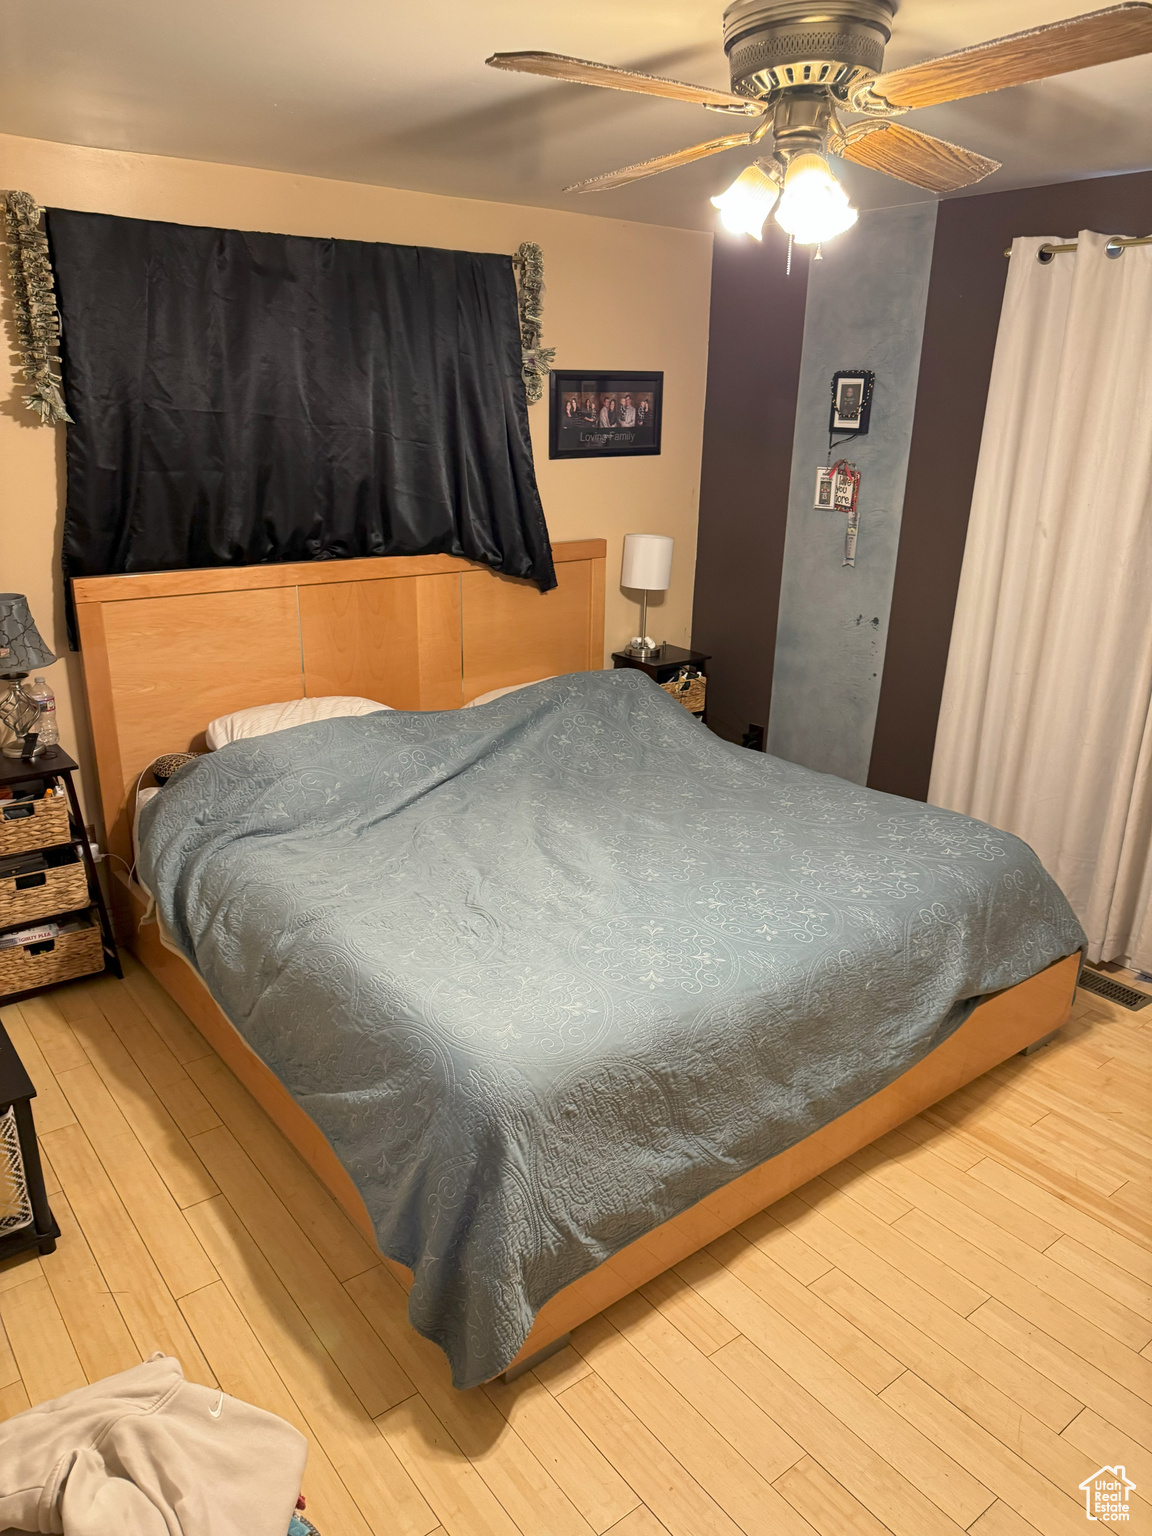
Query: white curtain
{"x": 1045, "y": 727}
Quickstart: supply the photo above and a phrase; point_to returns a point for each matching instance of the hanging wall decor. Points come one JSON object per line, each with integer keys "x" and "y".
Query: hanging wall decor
{"x": 846, "y": 499}
{"x": 529, "y": 264}
{"x": 599, "y": 415}
{"x": 838, "y": 490}
{"x": 851, "y": 401}
{"x": 34, "y": 306}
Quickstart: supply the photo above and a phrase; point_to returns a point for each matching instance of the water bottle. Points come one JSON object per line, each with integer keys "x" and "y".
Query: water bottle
{"x": 46, "y": 699}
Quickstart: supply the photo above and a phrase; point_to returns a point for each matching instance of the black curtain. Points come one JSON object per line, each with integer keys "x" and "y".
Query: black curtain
{"x": 241, "y": 398}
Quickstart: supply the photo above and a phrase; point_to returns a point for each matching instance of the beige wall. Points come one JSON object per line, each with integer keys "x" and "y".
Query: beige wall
{"x": 619, "y": 295}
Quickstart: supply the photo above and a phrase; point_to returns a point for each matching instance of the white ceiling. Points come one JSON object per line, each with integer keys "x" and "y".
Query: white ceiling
{"x": 398, "y": 95}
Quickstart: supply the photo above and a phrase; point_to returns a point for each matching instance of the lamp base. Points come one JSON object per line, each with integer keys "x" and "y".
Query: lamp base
{"x": 643, "y": 649}
{"x": 16, "y": 749}
{"x": 19, "y": 717}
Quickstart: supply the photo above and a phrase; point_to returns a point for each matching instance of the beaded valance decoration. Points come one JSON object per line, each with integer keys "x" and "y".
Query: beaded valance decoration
{"x": 34, "y": 304}
{"x": 536, "y": 360}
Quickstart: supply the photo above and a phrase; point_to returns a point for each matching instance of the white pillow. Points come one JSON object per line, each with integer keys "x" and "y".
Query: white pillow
{"x": 498, "y": 693}
{"x": 142, "y": 798}
{"x": 266, "y": 718}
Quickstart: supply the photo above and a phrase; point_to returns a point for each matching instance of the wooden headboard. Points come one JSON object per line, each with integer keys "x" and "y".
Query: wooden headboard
{"x": 166, "y": 652}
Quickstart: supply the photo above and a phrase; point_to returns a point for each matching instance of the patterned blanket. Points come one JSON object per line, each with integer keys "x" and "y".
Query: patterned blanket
{"x": 549, "y": 971}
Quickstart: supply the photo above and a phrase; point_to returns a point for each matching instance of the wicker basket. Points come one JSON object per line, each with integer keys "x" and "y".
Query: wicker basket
{"x": 43, "y": 893}
{"x": 689, "y": 691}
{"x": 15, "y": 1206}
{"x": 28, "y": 824}
{"x": 80, "y": 953}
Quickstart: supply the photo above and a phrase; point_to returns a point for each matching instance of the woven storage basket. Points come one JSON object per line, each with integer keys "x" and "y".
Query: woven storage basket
{"x": 28, "y": 824}
{"x": 689, "y": 691}
{"x": 62, "y": 888}
{"x": 15, "y": 1206}
{"x": 70, "y": 954}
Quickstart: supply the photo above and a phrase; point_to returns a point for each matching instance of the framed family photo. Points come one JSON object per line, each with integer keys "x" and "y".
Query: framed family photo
{"x": 851, "y": 400}
{"x": 604, "y": 415}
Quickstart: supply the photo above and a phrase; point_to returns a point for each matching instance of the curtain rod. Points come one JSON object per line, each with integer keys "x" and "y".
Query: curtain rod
{"x": 1114, "y": 246}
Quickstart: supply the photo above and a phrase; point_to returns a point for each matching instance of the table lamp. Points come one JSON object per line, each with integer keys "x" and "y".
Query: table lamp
{"x": 647, "y": 568}
{"x": 21, "y": 651}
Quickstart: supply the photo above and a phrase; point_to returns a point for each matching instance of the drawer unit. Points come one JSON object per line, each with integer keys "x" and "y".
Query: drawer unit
{"x": 26, "y": 966}
{"x": 28, "y": 824}
{"x": 663, "y": 667}
{"x": 60, "y": 887}
{"x": 53, "y": 919}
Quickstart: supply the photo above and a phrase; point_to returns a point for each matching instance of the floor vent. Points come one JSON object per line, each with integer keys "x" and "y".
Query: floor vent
{"x": 1114, "y": 991}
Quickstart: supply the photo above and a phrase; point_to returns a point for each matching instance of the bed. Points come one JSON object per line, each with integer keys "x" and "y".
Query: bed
{"x": 690, "y": 1013}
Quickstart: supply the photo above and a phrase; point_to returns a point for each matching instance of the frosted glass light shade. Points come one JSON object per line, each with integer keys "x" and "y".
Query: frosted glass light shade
{"x": 647, "y": 562}
{"x": 747, "y": 202}
{"x": 814, "y": 206}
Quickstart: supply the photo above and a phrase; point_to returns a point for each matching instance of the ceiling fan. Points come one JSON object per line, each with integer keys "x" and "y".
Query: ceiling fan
{"x": 796, "y": 65}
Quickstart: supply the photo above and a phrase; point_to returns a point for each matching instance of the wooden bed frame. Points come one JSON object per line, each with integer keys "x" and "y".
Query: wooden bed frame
{"x": 165, "y": 653}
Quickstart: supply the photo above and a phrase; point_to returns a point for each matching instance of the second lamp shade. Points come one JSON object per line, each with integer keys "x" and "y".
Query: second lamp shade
{"x": 647, "y": 563}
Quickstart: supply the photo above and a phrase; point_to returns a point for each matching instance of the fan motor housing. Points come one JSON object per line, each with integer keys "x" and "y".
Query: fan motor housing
{"x": 776, "y": 44}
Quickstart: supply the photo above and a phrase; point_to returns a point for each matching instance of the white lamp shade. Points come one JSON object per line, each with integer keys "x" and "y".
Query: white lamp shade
{"x": 647, "y": 562}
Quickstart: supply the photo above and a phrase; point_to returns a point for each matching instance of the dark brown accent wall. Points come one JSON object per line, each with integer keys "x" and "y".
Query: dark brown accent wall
{"x": 757, "y": 331}
{"x": 969, "y": 271}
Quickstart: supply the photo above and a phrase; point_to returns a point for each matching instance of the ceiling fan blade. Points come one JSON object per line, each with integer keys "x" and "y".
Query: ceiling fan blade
{"x": 557, "y": 66}
{"x": 644, "y": 168}
{"x": 1101, "y": 37}
{"x": 915, "y": 157}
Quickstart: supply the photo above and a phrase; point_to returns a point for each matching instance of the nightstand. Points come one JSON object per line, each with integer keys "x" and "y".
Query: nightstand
{"x": 663, "y": 667}
{"x": 54, "y": 880}
{"x": 25, "y": 1218}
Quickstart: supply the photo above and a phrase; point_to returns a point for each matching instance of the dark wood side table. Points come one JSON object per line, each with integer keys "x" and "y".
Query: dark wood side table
{"x": 26, "y": 1221}
{"x": 663, "y": 667}
{"x": 58, "y": 765}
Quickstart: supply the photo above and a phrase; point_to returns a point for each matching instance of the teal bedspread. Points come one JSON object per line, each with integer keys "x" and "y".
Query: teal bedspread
{"x": 548, "y": 971}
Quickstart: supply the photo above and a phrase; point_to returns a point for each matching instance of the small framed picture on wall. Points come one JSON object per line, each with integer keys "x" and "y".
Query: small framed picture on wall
{"x": 604, "y": 415}
{"x": 851, "y": 400}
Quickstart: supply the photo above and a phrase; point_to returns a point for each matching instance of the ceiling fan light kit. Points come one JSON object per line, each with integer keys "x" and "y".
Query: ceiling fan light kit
{"x": 814, "y": 206}
{"x": 796, "y": 64}
{"x": 747, "y": 203}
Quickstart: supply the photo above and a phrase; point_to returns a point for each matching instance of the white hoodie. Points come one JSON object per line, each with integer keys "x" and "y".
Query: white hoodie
{"x": 150, "y": 1454}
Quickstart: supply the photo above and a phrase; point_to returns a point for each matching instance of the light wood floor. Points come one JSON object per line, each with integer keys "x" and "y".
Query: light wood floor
{"x": 948, "y": 1332}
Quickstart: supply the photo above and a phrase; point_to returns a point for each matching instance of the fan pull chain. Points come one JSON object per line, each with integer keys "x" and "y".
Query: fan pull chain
{"x": 788, "y": 269}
